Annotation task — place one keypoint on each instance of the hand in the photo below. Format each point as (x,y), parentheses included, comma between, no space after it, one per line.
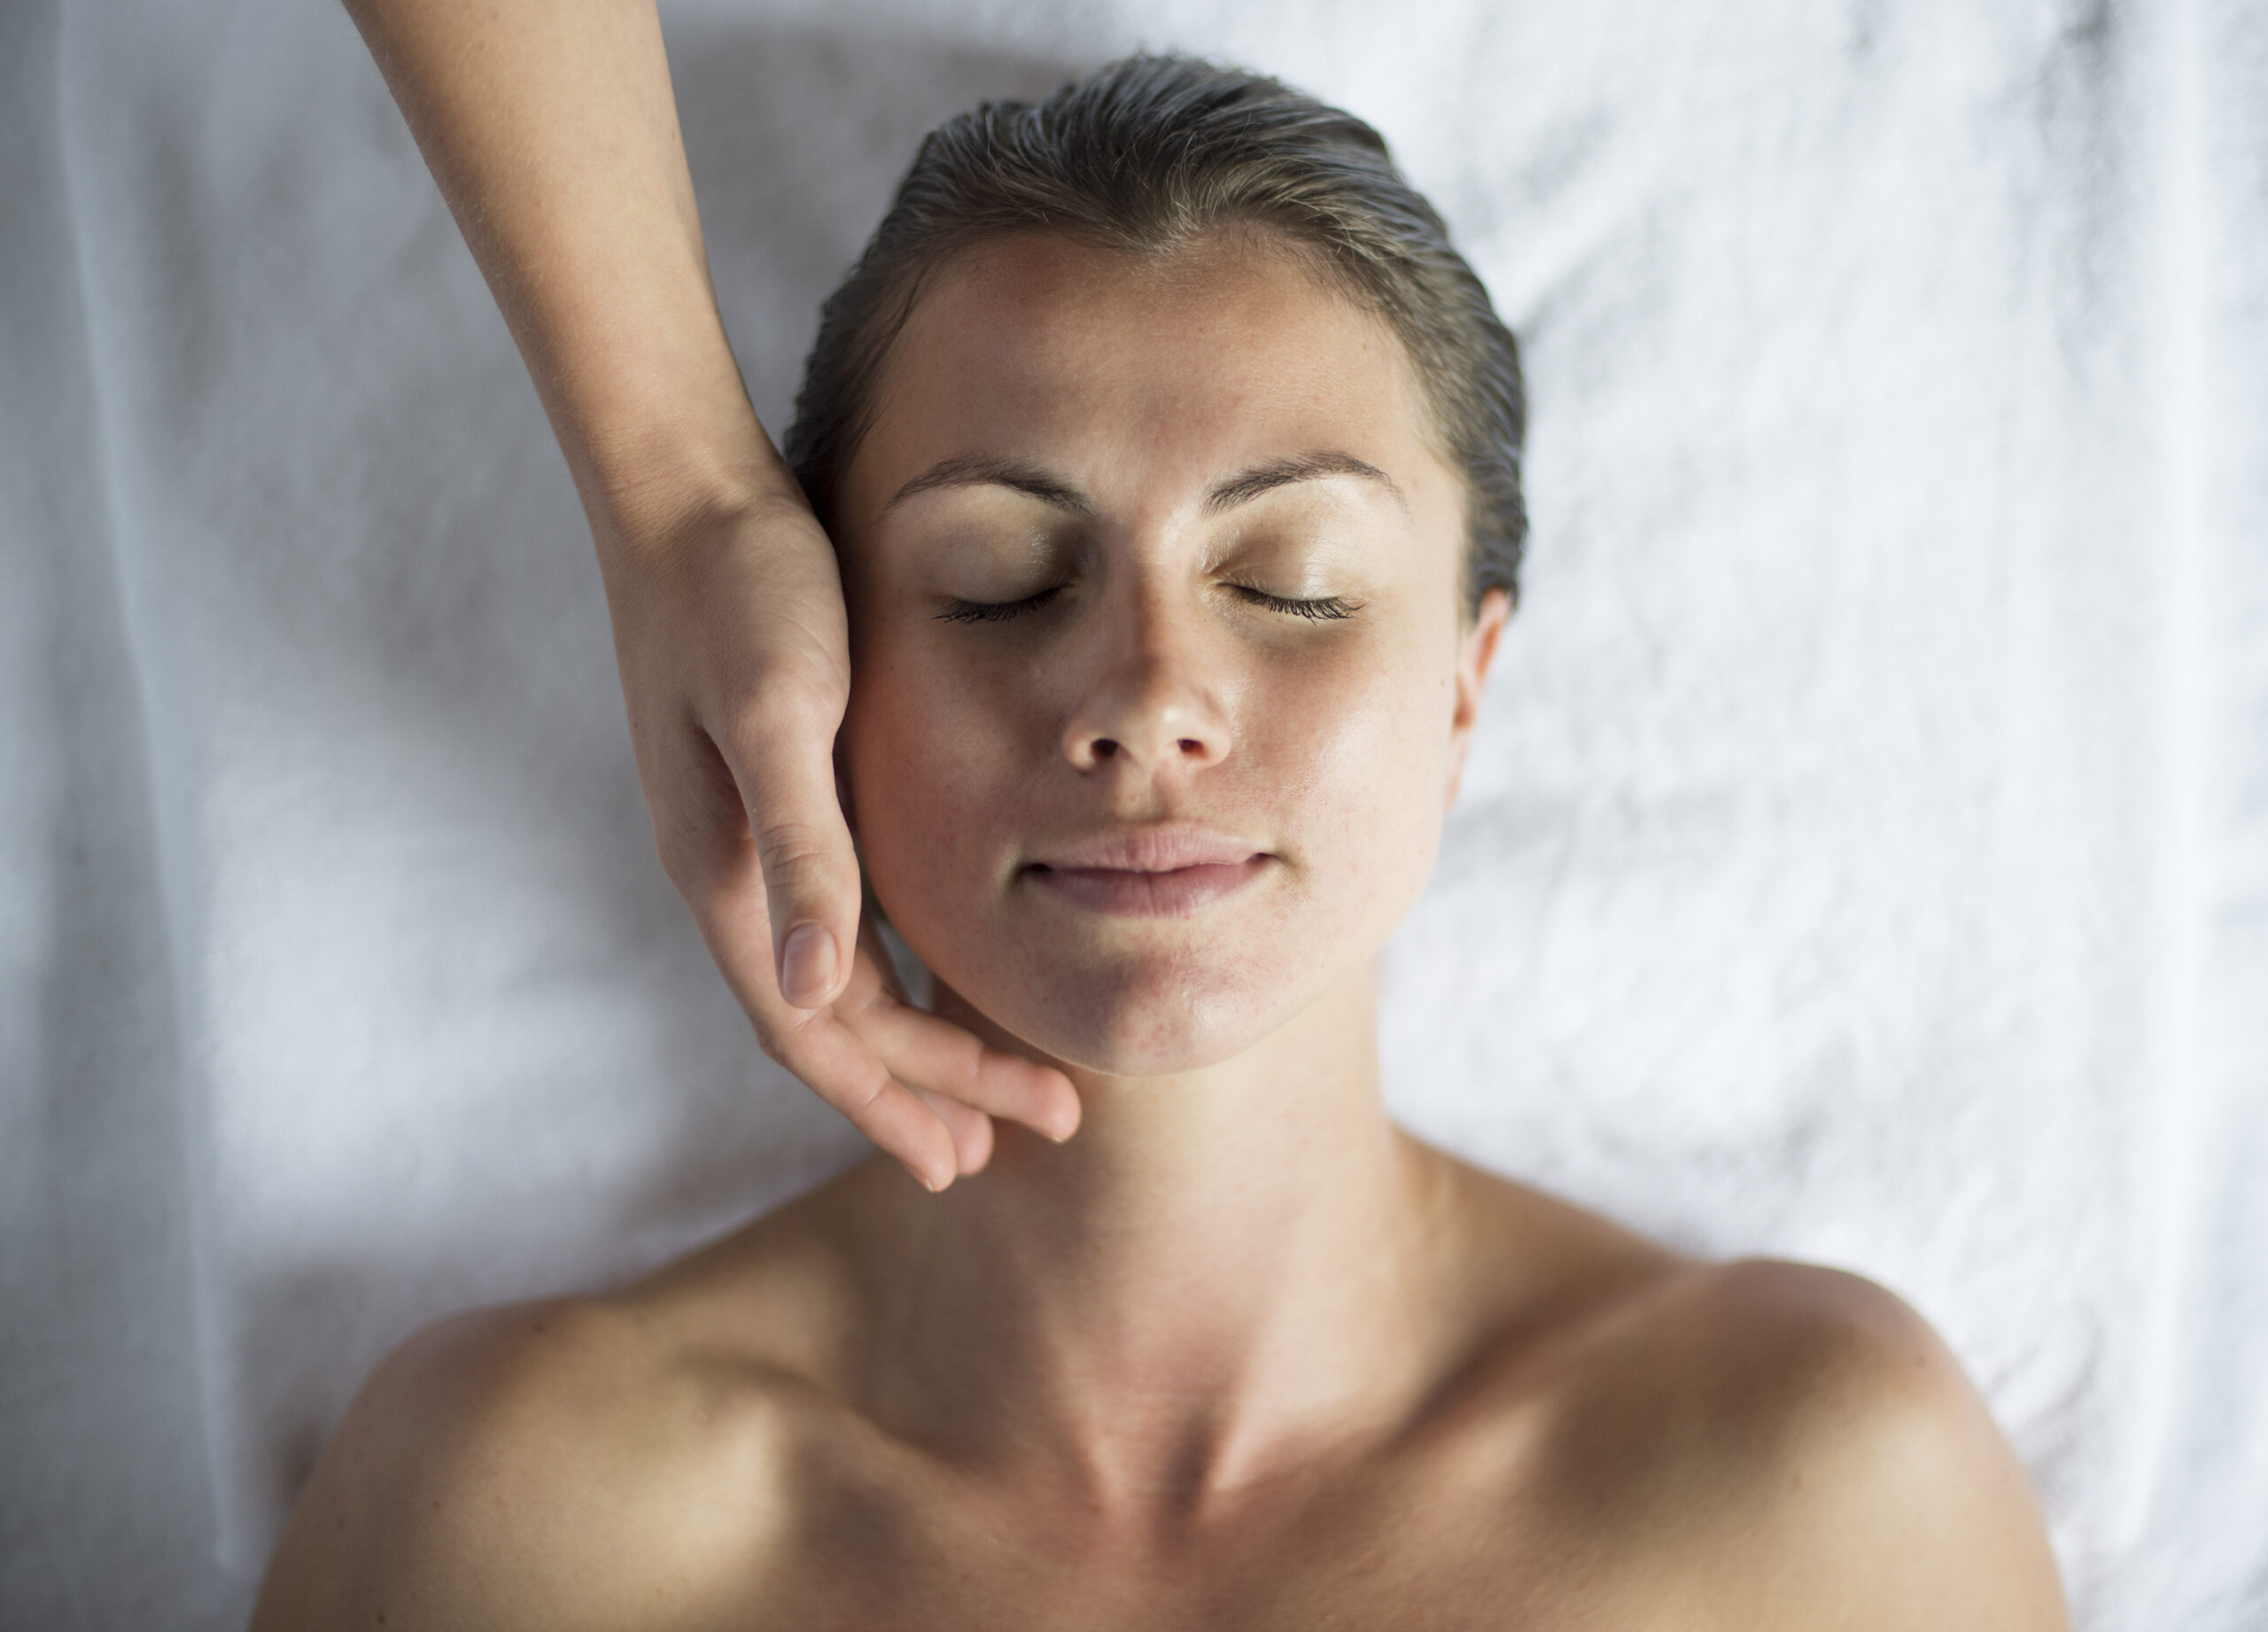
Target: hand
(735,668)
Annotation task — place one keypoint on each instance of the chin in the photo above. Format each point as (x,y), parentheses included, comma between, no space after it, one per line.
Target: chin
(1139,1044)
(1139,1017)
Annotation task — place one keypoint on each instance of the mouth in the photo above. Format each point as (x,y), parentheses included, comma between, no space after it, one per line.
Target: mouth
(1147,872)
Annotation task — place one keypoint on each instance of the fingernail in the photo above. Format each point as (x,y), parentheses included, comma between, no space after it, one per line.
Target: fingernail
(807,965)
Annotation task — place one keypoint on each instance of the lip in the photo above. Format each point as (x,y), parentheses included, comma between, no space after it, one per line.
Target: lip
(1147,872)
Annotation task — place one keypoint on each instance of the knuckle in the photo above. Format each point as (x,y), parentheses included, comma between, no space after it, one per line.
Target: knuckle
(783,1042)
(782,706)
(698,821)
(858,1097)
(799,858)
(688,851)
(867,1093)
(962,1062)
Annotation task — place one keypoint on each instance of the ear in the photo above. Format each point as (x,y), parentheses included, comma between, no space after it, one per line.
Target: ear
(1476,651)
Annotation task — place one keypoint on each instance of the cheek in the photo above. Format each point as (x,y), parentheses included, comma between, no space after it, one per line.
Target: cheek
(1374,742)
(1339,760)
(928,762)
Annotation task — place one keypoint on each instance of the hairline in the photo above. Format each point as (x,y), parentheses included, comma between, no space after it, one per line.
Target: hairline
(1264,237)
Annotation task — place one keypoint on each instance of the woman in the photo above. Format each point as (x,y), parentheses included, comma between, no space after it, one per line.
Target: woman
(1171,455)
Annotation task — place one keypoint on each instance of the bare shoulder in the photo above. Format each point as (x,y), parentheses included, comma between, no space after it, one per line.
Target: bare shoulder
(1798,1447)
(518,1466)
(605,1461)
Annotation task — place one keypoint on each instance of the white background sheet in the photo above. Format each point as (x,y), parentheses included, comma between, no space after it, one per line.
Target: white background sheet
(1865,857)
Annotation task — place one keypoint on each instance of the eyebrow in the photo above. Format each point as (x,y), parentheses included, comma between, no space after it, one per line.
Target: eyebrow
(982,470)
(979,471)
(1249,485)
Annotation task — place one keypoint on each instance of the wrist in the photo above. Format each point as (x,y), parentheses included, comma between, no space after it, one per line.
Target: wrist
(656,493)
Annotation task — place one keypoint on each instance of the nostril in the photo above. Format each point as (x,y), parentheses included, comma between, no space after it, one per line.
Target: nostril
(1105,747)
(1191,745)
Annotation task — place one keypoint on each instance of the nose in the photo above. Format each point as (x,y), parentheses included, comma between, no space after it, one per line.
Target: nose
(1150,705)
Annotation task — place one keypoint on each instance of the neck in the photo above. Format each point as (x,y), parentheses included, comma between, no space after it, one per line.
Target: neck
(1221,1265)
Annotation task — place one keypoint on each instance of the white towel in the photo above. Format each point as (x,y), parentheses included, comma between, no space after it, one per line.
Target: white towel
(1865,856)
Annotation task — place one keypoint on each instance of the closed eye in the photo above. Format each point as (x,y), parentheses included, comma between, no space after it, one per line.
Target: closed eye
(997,612)
(1322,608)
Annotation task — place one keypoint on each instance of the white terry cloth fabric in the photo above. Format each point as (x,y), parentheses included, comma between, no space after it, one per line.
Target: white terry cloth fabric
(1865,857)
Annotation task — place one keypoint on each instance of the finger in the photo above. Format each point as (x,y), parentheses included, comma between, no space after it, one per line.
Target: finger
(972,1130)
(924,1050)
(780,751)
(833,1061)
(919,1048)
(843,1070)
(836,1064)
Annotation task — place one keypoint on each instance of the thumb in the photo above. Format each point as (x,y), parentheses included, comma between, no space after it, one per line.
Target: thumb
(786,776)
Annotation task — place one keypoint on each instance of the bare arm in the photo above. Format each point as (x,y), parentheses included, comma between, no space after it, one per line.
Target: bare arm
(552,130)
(550,125)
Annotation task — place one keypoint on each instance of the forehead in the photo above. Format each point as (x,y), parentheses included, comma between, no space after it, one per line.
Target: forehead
(1148,372)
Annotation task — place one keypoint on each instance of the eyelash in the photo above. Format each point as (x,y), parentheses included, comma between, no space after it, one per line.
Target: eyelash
(1324,609)
(997,612)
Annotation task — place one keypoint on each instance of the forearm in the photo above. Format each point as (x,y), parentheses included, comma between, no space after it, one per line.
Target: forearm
(551,129)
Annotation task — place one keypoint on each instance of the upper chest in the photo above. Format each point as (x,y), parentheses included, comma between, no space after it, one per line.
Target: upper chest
(1457,1536)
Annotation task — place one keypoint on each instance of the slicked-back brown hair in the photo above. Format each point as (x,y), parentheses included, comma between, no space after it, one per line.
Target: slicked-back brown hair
(1145,155)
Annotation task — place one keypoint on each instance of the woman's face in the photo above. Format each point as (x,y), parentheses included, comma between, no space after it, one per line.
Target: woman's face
(1160,683)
